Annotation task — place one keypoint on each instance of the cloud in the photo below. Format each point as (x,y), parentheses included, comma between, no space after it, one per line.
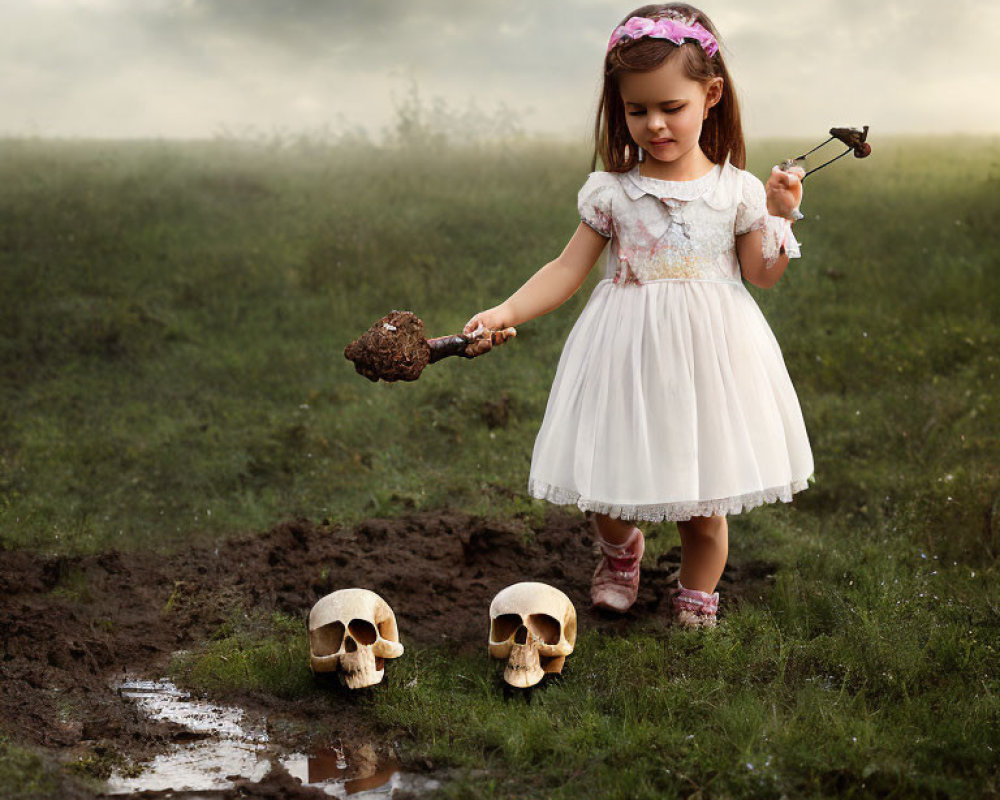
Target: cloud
(189,67)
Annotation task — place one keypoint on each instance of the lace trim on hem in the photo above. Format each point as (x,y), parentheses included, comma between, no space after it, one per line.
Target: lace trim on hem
(667,512)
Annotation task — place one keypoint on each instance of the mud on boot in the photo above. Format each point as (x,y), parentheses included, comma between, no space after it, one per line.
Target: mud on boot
(694,609)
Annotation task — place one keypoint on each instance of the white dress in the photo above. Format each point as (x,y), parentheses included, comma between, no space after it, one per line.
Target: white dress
(671,398)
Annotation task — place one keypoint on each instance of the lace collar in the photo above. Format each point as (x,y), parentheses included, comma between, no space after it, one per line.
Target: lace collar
(636,185)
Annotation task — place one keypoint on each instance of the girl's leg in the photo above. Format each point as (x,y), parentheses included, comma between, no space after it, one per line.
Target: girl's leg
(613,531)
(615,585)
(704,550)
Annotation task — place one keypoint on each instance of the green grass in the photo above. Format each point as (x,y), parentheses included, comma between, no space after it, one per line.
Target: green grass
(172,322)
(251,653)
(27,775)
(174,317)
(836,685)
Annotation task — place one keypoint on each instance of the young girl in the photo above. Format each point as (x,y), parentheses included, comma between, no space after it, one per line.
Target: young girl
(671,400)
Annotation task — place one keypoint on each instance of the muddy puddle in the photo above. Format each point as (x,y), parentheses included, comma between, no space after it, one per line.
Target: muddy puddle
(222,747)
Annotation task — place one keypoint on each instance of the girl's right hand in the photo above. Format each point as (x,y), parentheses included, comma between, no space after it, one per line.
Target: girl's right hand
(489,320)
(487,341)
(489,329)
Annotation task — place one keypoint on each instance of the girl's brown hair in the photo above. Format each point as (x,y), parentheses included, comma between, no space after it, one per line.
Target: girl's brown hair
(721,133)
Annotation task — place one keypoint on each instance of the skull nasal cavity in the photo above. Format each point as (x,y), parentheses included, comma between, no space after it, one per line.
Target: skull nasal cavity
(521,637)
(363,631)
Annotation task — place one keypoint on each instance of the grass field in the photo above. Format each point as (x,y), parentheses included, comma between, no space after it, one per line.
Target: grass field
(172,320)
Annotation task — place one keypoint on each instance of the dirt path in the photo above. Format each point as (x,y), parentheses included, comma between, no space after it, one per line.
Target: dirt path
(69,625)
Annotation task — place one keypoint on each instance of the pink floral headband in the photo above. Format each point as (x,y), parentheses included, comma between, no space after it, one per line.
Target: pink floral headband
(675,30)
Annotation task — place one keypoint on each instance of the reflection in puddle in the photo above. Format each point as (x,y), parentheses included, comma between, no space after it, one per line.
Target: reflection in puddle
(234,749)
(328,770)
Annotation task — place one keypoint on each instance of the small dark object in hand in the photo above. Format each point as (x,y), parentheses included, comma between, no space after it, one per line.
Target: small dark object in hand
(394,348)
(854,138)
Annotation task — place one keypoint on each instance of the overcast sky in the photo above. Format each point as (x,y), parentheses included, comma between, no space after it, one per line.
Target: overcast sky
(196,68)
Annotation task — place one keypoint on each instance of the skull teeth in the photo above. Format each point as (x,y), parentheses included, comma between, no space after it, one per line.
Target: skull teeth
(524,668)
(361,679)
(360,668)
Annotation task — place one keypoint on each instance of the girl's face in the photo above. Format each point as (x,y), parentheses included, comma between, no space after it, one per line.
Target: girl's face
(665,110)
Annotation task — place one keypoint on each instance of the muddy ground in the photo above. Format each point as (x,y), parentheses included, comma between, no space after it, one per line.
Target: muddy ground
(62,649)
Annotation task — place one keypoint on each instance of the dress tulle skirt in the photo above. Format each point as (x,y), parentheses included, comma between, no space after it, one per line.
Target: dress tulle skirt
(671,400)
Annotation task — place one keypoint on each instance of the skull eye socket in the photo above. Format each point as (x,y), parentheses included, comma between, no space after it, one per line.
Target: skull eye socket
(326,640)
(362,631)
(504,627)
(546,628)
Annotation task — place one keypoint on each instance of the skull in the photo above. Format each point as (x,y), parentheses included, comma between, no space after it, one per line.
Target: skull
(352,632)
(533,626)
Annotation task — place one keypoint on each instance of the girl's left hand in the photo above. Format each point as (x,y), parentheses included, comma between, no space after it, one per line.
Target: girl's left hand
(784,192)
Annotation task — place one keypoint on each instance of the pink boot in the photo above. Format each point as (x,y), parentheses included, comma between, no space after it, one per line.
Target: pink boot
(694,609)
(616,580)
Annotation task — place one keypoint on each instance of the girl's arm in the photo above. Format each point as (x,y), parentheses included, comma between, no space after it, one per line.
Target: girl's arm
(784,193)
(548,288)
(750,249)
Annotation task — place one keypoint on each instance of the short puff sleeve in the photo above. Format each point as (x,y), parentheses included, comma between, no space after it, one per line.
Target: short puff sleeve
(751,211)
(594,202)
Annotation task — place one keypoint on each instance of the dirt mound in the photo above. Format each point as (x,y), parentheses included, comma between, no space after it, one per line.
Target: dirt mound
(68,625)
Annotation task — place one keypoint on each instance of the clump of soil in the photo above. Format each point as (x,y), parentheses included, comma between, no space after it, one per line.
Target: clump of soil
(70,625)
(393,349)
